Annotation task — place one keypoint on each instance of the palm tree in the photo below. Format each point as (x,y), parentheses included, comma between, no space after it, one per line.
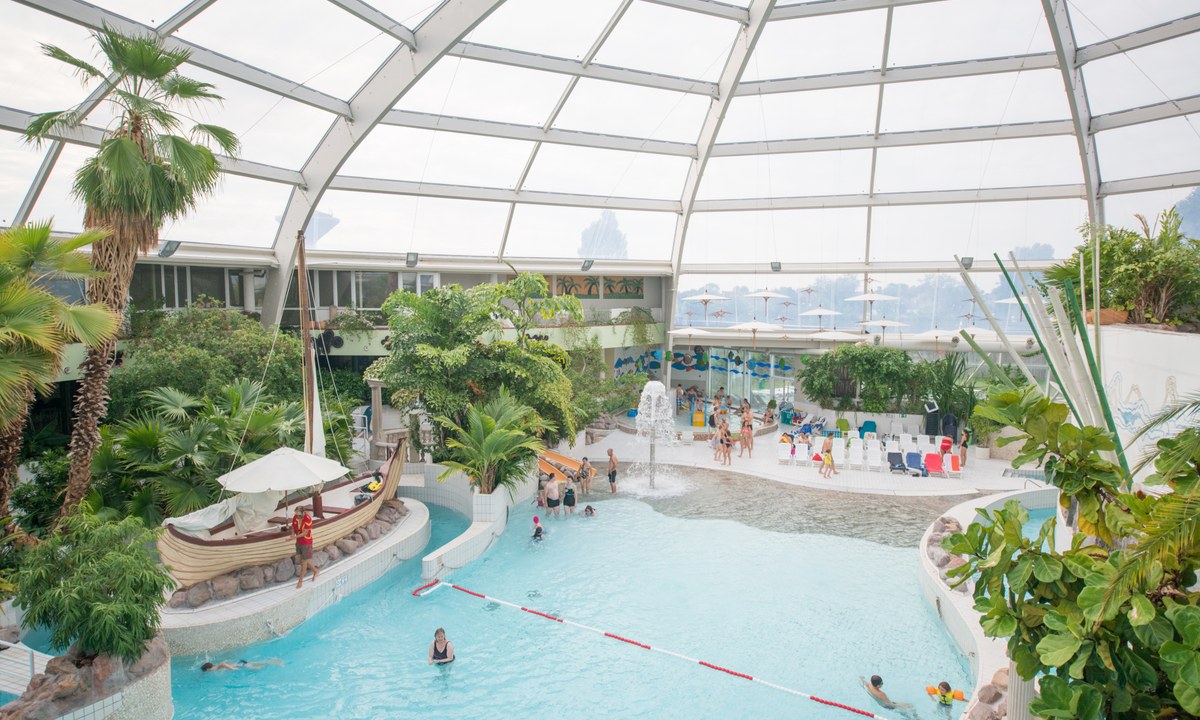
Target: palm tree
(145,173)
(36,326)
(497,446)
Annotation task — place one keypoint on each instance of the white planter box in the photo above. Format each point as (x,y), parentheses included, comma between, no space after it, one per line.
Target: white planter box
(983,453)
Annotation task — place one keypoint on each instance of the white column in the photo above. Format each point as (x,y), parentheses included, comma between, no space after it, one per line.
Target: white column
(1021,692)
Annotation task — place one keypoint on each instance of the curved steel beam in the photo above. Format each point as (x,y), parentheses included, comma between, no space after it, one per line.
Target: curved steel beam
(399,73)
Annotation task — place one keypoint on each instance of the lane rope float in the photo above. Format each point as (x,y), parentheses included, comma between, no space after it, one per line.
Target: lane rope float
(428,588)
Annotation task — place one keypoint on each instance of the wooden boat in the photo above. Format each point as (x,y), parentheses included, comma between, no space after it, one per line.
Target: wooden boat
(336,513)
(192,560)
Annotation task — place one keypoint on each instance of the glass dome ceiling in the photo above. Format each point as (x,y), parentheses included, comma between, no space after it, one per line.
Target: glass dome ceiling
(702,136)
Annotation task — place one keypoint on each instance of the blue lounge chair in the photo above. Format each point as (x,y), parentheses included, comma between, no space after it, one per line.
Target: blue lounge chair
(915,466)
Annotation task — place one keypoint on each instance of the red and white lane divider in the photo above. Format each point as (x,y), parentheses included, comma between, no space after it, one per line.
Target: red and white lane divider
(427,588)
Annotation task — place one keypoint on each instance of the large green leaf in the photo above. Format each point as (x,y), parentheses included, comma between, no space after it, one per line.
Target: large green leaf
(1141,612)
(1047,569)
(1188,696)
(1187,621)
(1055,650)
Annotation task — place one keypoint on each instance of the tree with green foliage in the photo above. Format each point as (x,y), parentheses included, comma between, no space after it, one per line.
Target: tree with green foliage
(1112,625)
(199,350)
(497,446)
(594,388)
(95,584)
(526,299)
(154,164)
(1154,273)
(883,375)
(36,327)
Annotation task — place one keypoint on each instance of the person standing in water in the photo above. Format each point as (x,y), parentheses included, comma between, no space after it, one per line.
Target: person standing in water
(612,470)
(585,476)
(441,650)
(875,689)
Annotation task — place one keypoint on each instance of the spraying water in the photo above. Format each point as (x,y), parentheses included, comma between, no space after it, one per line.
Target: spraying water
(655,419)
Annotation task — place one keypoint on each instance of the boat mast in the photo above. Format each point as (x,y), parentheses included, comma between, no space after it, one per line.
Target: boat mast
(310,392)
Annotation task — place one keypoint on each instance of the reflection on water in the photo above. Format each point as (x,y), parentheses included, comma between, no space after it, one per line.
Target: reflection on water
(771,505)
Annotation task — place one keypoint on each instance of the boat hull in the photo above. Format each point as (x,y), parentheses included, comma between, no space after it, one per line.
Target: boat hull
(192,560)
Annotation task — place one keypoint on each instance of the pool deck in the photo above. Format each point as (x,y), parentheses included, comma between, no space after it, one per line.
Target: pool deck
(980,476)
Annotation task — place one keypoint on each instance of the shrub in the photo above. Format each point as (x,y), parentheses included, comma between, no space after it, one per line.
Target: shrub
(37,501)
(96,584)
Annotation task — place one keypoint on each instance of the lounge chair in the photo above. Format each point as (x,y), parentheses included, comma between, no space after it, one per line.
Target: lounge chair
(952,463)
(896,463)
(855,458)
(868,426)
(913,461)
(784,453)
(933,465)
(874,459)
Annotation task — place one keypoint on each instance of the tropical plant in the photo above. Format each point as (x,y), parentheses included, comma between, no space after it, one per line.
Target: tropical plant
(95,584)
(36,326)
(36,501)
(526,299)
(594,389)
(497,446)
(637,322)
(144,174)
(354,324)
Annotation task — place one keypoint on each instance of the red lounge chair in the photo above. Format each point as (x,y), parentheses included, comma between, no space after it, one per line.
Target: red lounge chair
(933,464)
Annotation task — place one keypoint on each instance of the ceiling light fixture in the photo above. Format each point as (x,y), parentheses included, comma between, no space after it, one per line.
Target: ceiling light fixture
(587,265)
(168,248)
(776,266)
(411,259)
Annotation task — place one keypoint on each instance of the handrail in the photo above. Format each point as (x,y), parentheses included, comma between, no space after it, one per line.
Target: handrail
(32,654)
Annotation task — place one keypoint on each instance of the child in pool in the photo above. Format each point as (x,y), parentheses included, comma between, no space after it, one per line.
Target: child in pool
(589,511)
(538,531)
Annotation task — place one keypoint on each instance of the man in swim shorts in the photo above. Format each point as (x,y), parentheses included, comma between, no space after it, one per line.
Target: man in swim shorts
(875,689)
(552,500)
(612,470)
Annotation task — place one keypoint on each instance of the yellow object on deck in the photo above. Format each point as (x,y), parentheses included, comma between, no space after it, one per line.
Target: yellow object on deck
(697,418)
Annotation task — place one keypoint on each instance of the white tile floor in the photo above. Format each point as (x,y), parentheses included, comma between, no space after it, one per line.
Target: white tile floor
(980,476)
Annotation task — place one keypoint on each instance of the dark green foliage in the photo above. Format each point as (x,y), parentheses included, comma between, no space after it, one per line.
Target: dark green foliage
(347,385)
(886,378)
(96,584)
(37,501)
(497,446)
(198,351)
(593,387)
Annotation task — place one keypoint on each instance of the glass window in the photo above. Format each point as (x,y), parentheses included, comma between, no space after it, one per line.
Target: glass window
(997,163)
(547,231)
(809,236)
(1144,76)
(147,12)
(374,288)
(1121,210)
(174,286)
(409,13)
(475,89)
(408,282)
(56,200)
(145,288)
(818,46)
(399,153)
(610,173)
(967,29)
(324,285)
(209,282)
(428,281)
(601,106)
(696,46)
(19,163)
(1156,148)
(32,81)
(319,45)
(404,223)
(345,288)
(1096,20)
(969,101)
(521,25)
(236,299)
(293,291)
(812,113)
(260,288)
(815,173)
(241,212)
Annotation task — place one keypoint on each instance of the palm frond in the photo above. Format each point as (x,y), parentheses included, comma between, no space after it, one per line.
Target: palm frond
(178,87)
(83,69)
(88,324)
(43,126)
(223,137)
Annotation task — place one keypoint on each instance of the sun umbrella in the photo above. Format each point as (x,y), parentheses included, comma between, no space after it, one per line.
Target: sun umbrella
(755,326)
(706,298)
(870,299)
(820,313)
(766,296)
(282,470)
(885,324)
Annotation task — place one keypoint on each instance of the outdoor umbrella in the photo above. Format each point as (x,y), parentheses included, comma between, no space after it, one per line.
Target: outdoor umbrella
(820,313)
(766,296)
(754,326)
(282,470)
(885,324)
(706,298)
(870,299)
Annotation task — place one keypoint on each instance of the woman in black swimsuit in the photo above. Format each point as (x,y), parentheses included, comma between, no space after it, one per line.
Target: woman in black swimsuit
(441,650)
(569,499)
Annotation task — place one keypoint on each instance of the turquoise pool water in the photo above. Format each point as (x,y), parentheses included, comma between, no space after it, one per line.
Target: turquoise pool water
(808,611)
(1034,524)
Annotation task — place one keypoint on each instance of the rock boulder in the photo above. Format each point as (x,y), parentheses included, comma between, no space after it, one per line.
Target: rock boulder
(348,546)
(224,586)
(250,578)
(284,570)
(1000,679)
(989,694)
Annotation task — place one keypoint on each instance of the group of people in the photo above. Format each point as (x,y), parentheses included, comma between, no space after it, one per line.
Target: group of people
(551,497)
(942,695)
(723,436)
(685,398)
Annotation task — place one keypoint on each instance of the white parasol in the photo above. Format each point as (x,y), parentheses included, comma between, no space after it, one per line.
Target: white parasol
(766,296)
(282,470)
(870,298)
(706,298)
(756,326)
(820,313)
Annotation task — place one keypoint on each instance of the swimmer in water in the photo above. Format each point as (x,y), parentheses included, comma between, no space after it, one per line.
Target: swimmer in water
(589,511)
(875,689)
(538,531)
(240,665)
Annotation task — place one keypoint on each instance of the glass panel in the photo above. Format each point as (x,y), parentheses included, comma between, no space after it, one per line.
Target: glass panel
(325,287)
(813,113)
(208,281)
(30,80)
(374,288)
(599,106)
(242,212)
(469,88)
(410,13)
(399,153)
(18,164)
(147,12)
(818,46)
(547,231)
(293,291)
(522,24)
(325,48)
(997,163)
(1121,210)
(408,281)
(345,283)
(1156,148)
(1035,229)
(970,101)
(1097,20)
(145,289)
(403,223)
(260,289)
(174,286)
(56,200)
(967,29)
(696,46)
(816,173)
(236,300)
(427,282)
(610,173)
(809,236)
(1143,76)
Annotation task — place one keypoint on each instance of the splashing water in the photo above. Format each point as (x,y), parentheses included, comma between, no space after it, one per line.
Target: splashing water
(655,420)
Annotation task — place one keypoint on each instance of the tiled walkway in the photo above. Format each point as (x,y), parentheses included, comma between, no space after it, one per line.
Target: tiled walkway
(981,476)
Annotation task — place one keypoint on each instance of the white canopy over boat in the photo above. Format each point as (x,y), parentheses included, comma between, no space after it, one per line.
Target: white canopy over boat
(284,470)
(250,512)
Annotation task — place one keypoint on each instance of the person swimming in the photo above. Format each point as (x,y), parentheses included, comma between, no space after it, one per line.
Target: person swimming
(240,665)
(875,689)
(589,511)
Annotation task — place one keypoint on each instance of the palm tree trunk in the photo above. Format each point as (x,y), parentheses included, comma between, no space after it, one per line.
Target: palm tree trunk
(10,450)
(116,256)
